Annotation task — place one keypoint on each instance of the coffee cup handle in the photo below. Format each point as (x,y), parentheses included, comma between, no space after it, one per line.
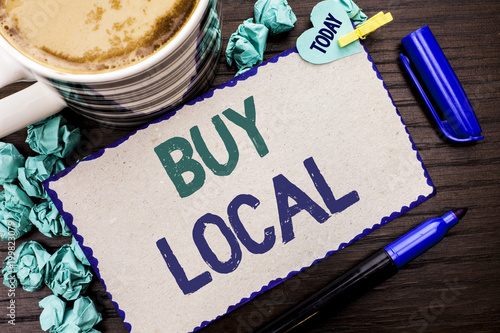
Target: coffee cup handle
(27,106)
(10,71)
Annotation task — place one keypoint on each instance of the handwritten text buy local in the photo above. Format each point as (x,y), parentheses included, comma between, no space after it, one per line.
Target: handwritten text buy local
(236,232)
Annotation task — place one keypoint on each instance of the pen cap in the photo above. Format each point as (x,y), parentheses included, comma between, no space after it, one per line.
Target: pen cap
(440,81)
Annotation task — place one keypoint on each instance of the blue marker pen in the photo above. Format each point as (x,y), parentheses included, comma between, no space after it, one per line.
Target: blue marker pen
(370,272)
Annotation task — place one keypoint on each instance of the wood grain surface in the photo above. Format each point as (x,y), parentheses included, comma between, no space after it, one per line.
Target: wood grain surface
(455,286)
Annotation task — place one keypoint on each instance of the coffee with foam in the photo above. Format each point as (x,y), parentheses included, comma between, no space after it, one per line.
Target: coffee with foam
(92,36)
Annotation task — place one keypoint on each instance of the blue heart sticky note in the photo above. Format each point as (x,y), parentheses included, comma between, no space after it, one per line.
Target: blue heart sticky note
(319,45)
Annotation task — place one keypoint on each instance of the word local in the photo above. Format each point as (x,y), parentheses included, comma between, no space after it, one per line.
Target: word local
(283,189)
(326,35)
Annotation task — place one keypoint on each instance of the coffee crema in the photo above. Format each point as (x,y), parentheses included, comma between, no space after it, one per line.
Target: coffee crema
(92,36)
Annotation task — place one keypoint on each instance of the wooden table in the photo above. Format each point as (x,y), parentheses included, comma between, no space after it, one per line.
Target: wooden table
(455,285)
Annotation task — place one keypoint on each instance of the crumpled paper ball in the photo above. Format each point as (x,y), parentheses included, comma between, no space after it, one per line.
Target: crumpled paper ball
(247,45)
(66,275)
(47,219)
(276,15)
(77,250)
(52,315)
(10,160)
(354,12)
(57,318)
(26,266)
(35,171)
(53,136)
(15,207)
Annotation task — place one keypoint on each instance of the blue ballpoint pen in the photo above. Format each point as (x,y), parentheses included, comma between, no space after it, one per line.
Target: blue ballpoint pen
(373,270)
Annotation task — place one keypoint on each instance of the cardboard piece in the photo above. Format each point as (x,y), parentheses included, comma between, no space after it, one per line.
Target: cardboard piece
(299,161)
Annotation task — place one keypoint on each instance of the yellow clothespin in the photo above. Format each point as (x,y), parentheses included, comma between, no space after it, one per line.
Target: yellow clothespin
(364,29)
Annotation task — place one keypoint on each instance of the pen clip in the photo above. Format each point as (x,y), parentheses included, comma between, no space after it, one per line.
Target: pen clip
(445,127)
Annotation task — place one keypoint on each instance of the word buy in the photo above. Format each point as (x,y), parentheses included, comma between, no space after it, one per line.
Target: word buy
(234,232)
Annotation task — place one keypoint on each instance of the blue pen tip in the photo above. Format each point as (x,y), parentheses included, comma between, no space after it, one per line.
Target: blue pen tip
(423,237)
(459,213)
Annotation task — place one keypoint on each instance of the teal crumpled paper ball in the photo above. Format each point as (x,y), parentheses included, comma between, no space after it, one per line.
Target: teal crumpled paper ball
(354,12)
(47,219)
(10,160)
(53,136)
(247,45)
(77,250)
(276,15)
(26,266)
(15,207)
(66,275)
(57,318)
(35,171)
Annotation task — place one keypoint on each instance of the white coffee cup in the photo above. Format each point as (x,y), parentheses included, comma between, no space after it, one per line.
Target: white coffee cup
(130,96)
